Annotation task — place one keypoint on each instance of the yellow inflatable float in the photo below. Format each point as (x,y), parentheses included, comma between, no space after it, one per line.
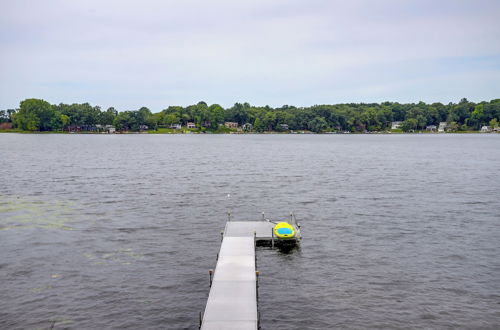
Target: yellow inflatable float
(283,230)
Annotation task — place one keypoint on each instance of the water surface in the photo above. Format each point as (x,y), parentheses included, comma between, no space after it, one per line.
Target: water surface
(118,231)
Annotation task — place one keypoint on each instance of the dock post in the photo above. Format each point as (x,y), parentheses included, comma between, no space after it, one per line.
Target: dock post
(255,247)
(257,274)
(210,273)
(272,238)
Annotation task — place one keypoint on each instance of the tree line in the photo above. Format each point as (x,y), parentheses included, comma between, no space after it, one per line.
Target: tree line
(40,115)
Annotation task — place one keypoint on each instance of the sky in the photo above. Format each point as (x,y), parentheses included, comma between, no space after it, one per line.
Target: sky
(157,53)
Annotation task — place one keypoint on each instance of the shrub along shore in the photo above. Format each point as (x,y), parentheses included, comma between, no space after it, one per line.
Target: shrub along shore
(39,116)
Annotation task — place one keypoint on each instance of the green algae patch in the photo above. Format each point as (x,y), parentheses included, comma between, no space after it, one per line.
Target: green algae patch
(41,289)
(61,320)
(124,256)
(23,213)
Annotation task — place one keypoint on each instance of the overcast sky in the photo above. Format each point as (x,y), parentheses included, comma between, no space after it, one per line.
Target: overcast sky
(157,53)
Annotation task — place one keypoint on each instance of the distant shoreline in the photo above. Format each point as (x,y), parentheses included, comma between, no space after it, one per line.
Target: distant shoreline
(37,115)
(152,132)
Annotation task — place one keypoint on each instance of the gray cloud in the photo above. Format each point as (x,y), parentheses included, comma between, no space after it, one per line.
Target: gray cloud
(158,53)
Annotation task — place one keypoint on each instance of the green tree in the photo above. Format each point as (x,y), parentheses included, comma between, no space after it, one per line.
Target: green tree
(65,120)
(107,117)
(125,121)
(172,118)
(10,114)
(409,124)
(453,126)
(34,115)
(32,123)
(257,125)
(3,116)
(215,115)
(269,120)
(318,125)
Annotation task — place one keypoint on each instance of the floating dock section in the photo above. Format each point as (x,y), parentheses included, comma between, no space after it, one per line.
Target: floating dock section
(232,301)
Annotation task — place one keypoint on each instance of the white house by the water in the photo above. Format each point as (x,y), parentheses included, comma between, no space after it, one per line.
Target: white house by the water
(396,124)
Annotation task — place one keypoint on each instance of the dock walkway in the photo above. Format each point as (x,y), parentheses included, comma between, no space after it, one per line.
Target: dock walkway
(232,301)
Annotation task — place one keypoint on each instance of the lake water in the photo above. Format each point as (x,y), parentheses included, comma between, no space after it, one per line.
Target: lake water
(119,231)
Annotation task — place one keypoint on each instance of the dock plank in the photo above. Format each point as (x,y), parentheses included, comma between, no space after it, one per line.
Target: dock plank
(263,229)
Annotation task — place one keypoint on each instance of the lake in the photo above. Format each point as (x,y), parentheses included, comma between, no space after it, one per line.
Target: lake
(119,231)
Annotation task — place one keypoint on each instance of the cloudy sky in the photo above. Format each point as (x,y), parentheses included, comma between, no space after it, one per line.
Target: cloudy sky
(157,53)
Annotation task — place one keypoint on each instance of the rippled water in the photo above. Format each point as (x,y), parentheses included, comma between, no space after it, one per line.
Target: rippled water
(118,232)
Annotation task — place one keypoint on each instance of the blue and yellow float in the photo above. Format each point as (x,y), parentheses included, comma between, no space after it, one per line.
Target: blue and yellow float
(283,230)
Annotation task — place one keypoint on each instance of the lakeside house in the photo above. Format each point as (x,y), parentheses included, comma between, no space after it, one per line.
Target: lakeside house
(206,124)
(110,129)
(190,125)
(284,127)
(230,124)
(431,128)
(396,124)
(485,129)
(5,125)
(176,126)
(247,127)
(143,127)
(442,127)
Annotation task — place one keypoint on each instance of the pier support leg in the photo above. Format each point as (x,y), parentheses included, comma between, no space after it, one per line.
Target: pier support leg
(272,238)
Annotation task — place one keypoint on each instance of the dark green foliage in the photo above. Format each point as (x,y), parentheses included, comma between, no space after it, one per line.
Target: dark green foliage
(318,124)
(6,116)
(107,117)
(409,125)
(135,120)
(39,115)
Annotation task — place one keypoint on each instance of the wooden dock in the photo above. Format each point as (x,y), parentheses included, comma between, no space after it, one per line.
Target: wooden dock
(232,301)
